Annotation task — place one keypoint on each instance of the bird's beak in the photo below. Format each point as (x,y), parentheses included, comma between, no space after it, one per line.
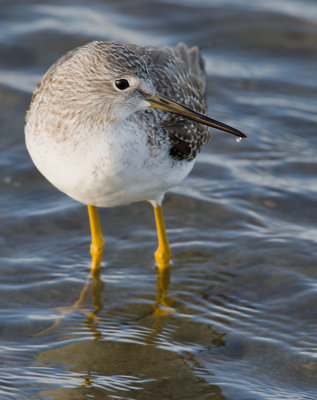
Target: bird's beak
(164,103)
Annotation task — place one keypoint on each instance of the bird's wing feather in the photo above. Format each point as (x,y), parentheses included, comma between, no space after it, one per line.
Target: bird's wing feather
(178,73)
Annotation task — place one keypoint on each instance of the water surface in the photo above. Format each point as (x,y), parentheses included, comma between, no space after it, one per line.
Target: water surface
(236,318)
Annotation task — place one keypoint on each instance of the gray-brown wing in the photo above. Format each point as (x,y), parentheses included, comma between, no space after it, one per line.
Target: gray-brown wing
(178,73)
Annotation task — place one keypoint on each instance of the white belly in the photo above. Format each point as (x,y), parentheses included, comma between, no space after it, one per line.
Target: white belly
(106,169)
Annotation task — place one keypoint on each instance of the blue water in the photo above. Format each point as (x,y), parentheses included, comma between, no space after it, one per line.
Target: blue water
(236,318)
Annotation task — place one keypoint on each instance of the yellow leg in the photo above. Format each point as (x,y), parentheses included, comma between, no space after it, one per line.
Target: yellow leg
(163,252)
(97,242)
(164,304)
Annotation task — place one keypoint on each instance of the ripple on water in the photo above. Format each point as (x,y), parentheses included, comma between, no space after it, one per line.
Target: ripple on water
(238,318)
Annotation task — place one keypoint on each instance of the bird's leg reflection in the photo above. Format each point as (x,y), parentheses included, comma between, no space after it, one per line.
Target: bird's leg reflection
(87,380)
(163,304)
(163,252)
(97,241)
(97,287)
(93,286)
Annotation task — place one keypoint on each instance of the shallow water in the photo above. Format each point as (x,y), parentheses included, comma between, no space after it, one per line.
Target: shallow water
(236,318)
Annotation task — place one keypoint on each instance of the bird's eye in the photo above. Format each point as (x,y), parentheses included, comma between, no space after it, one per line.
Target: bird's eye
(122,84)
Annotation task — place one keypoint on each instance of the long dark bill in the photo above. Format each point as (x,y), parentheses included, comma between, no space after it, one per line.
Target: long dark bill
(164,103)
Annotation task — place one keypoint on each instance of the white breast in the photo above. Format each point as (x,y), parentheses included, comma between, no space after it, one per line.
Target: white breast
(105,167)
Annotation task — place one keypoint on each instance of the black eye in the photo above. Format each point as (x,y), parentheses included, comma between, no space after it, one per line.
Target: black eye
(122,84)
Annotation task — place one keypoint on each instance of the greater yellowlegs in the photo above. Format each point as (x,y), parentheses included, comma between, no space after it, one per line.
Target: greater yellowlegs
(97,127)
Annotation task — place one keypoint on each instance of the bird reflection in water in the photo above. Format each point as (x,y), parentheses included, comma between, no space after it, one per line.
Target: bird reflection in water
(94,287)
(164,304)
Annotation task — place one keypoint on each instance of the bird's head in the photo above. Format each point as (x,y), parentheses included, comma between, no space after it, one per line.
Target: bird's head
(112,80)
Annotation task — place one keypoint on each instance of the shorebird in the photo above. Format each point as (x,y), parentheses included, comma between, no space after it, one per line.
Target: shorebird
(112,124)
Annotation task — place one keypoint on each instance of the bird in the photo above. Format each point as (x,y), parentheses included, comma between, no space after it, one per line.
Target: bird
(111,124)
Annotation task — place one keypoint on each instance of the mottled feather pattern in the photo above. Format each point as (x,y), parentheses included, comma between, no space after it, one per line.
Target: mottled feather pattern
(182,71)
(177,73)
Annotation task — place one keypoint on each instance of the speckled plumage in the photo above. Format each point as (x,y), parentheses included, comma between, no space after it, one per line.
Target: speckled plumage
(178,73)
(75,110)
